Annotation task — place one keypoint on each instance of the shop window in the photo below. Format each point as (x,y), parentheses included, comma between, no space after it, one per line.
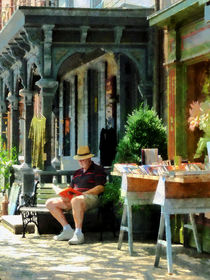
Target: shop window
(197,94)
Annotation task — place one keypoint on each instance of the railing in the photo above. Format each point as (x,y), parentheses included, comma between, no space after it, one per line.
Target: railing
(8,7)
(163,4)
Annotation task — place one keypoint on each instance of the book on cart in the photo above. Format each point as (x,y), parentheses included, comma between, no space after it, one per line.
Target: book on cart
(132,168)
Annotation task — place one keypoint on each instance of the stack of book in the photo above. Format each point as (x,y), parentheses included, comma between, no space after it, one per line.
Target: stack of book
(142,169)
(157,170)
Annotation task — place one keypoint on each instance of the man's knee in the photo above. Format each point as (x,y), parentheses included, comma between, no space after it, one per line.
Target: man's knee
(50,204)
(77,201)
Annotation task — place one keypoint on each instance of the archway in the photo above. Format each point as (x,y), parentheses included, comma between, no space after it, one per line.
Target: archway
(97,92)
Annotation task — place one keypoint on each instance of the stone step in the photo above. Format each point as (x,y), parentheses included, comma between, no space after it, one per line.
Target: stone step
(14,224)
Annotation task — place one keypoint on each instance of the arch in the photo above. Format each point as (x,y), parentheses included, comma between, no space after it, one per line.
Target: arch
(72,60)
(93,70)
(61,57)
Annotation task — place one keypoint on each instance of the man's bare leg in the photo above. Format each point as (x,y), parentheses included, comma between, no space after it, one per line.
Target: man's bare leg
(56,207)
(78,210)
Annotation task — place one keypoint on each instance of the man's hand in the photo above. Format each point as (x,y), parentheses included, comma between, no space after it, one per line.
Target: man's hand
(56,188)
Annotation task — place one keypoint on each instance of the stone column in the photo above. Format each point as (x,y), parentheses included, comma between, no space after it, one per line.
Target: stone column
(48,88)
(61,119)
(28,108)
(101,98)
(14,128)
(73,124)
(84,103)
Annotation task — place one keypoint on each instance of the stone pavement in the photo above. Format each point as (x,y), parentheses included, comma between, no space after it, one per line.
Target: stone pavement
(41,258)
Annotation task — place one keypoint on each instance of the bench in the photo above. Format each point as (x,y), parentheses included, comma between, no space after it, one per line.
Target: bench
(33,210)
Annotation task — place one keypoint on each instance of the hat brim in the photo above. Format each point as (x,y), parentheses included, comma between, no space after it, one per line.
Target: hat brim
(77,157)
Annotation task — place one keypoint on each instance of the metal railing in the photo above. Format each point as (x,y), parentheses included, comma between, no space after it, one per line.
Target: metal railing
(6,9)
(164,4)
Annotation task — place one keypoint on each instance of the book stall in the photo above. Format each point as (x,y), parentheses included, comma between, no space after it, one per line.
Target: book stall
(182,188)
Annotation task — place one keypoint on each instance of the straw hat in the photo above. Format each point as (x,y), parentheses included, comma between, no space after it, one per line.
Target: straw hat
(83,152)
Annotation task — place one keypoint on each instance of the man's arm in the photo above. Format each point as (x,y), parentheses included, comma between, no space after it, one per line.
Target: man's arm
(96,190)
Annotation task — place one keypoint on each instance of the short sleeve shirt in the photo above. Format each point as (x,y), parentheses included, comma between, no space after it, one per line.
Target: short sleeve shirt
(84,181)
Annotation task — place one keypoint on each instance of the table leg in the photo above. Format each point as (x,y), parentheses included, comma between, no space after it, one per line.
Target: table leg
(130,231)
(168,244)
(195,233)
(159,239)
(122,226)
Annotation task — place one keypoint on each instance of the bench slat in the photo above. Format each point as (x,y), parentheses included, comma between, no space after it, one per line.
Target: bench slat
(49,186)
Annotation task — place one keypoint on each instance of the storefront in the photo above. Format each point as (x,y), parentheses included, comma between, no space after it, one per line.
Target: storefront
(186,43)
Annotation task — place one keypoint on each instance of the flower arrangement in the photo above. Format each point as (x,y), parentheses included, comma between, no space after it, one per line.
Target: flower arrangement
(200,117)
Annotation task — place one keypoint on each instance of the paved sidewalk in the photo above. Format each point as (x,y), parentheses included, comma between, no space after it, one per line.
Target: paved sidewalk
(40,258)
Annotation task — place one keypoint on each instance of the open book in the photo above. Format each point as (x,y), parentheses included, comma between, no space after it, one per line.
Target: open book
(68,192)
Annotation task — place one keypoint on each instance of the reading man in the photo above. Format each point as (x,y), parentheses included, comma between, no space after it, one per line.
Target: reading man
(89,180)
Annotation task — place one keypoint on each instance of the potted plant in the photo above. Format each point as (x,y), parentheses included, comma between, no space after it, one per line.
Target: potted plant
(144,129)
(7,159)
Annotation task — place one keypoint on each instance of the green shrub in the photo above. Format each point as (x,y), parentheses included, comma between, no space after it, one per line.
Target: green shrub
(112,190)
(7,159)
(144,129)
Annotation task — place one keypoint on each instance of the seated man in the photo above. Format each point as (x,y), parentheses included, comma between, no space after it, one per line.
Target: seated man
(89,180)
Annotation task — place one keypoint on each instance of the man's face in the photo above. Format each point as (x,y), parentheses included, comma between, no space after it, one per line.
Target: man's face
(85,163)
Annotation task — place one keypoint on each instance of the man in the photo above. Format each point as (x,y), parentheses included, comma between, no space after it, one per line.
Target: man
(89,180)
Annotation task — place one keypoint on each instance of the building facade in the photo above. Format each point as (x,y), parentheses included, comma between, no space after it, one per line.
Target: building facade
(69,74)
(184,28)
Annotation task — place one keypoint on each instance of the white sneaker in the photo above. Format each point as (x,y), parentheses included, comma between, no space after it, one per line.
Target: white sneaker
(64,235)
(78,238)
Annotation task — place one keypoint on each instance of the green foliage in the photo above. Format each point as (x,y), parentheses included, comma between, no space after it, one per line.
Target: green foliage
(144,129)
(112,191)
(7,159)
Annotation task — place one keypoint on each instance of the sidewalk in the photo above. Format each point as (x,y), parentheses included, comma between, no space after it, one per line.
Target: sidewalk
(40,258)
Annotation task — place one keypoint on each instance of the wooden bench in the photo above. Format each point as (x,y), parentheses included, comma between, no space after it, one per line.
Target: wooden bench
(34,205)
(33,209)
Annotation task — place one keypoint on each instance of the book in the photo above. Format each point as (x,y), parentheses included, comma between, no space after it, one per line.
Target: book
(125,167)
(69,192)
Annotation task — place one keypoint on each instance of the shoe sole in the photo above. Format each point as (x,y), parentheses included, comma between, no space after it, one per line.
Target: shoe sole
(76,242)
(64,239)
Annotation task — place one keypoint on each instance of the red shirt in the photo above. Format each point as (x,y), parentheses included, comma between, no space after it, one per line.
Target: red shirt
(84,181)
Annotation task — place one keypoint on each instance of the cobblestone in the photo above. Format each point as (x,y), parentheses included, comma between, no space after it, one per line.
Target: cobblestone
(40,258)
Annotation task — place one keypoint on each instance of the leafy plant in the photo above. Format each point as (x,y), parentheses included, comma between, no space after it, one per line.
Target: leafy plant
(144,129)
(7,159)
(112,191)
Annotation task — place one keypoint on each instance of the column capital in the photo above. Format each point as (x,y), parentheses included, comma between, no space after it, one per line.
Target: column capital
(27,94)
(13,100)
(47,86)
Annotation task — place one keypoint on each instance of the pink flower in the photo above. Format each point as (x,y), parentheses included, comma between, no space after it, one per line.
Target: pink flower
(195,112)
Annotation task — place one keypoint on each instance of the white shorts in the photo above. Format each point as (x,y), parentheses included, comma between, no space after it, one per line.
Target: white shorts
(91,201)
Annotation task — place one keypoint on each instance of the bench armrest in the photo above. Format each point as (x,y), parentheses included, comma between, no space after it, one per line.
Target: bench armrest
(29,200)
